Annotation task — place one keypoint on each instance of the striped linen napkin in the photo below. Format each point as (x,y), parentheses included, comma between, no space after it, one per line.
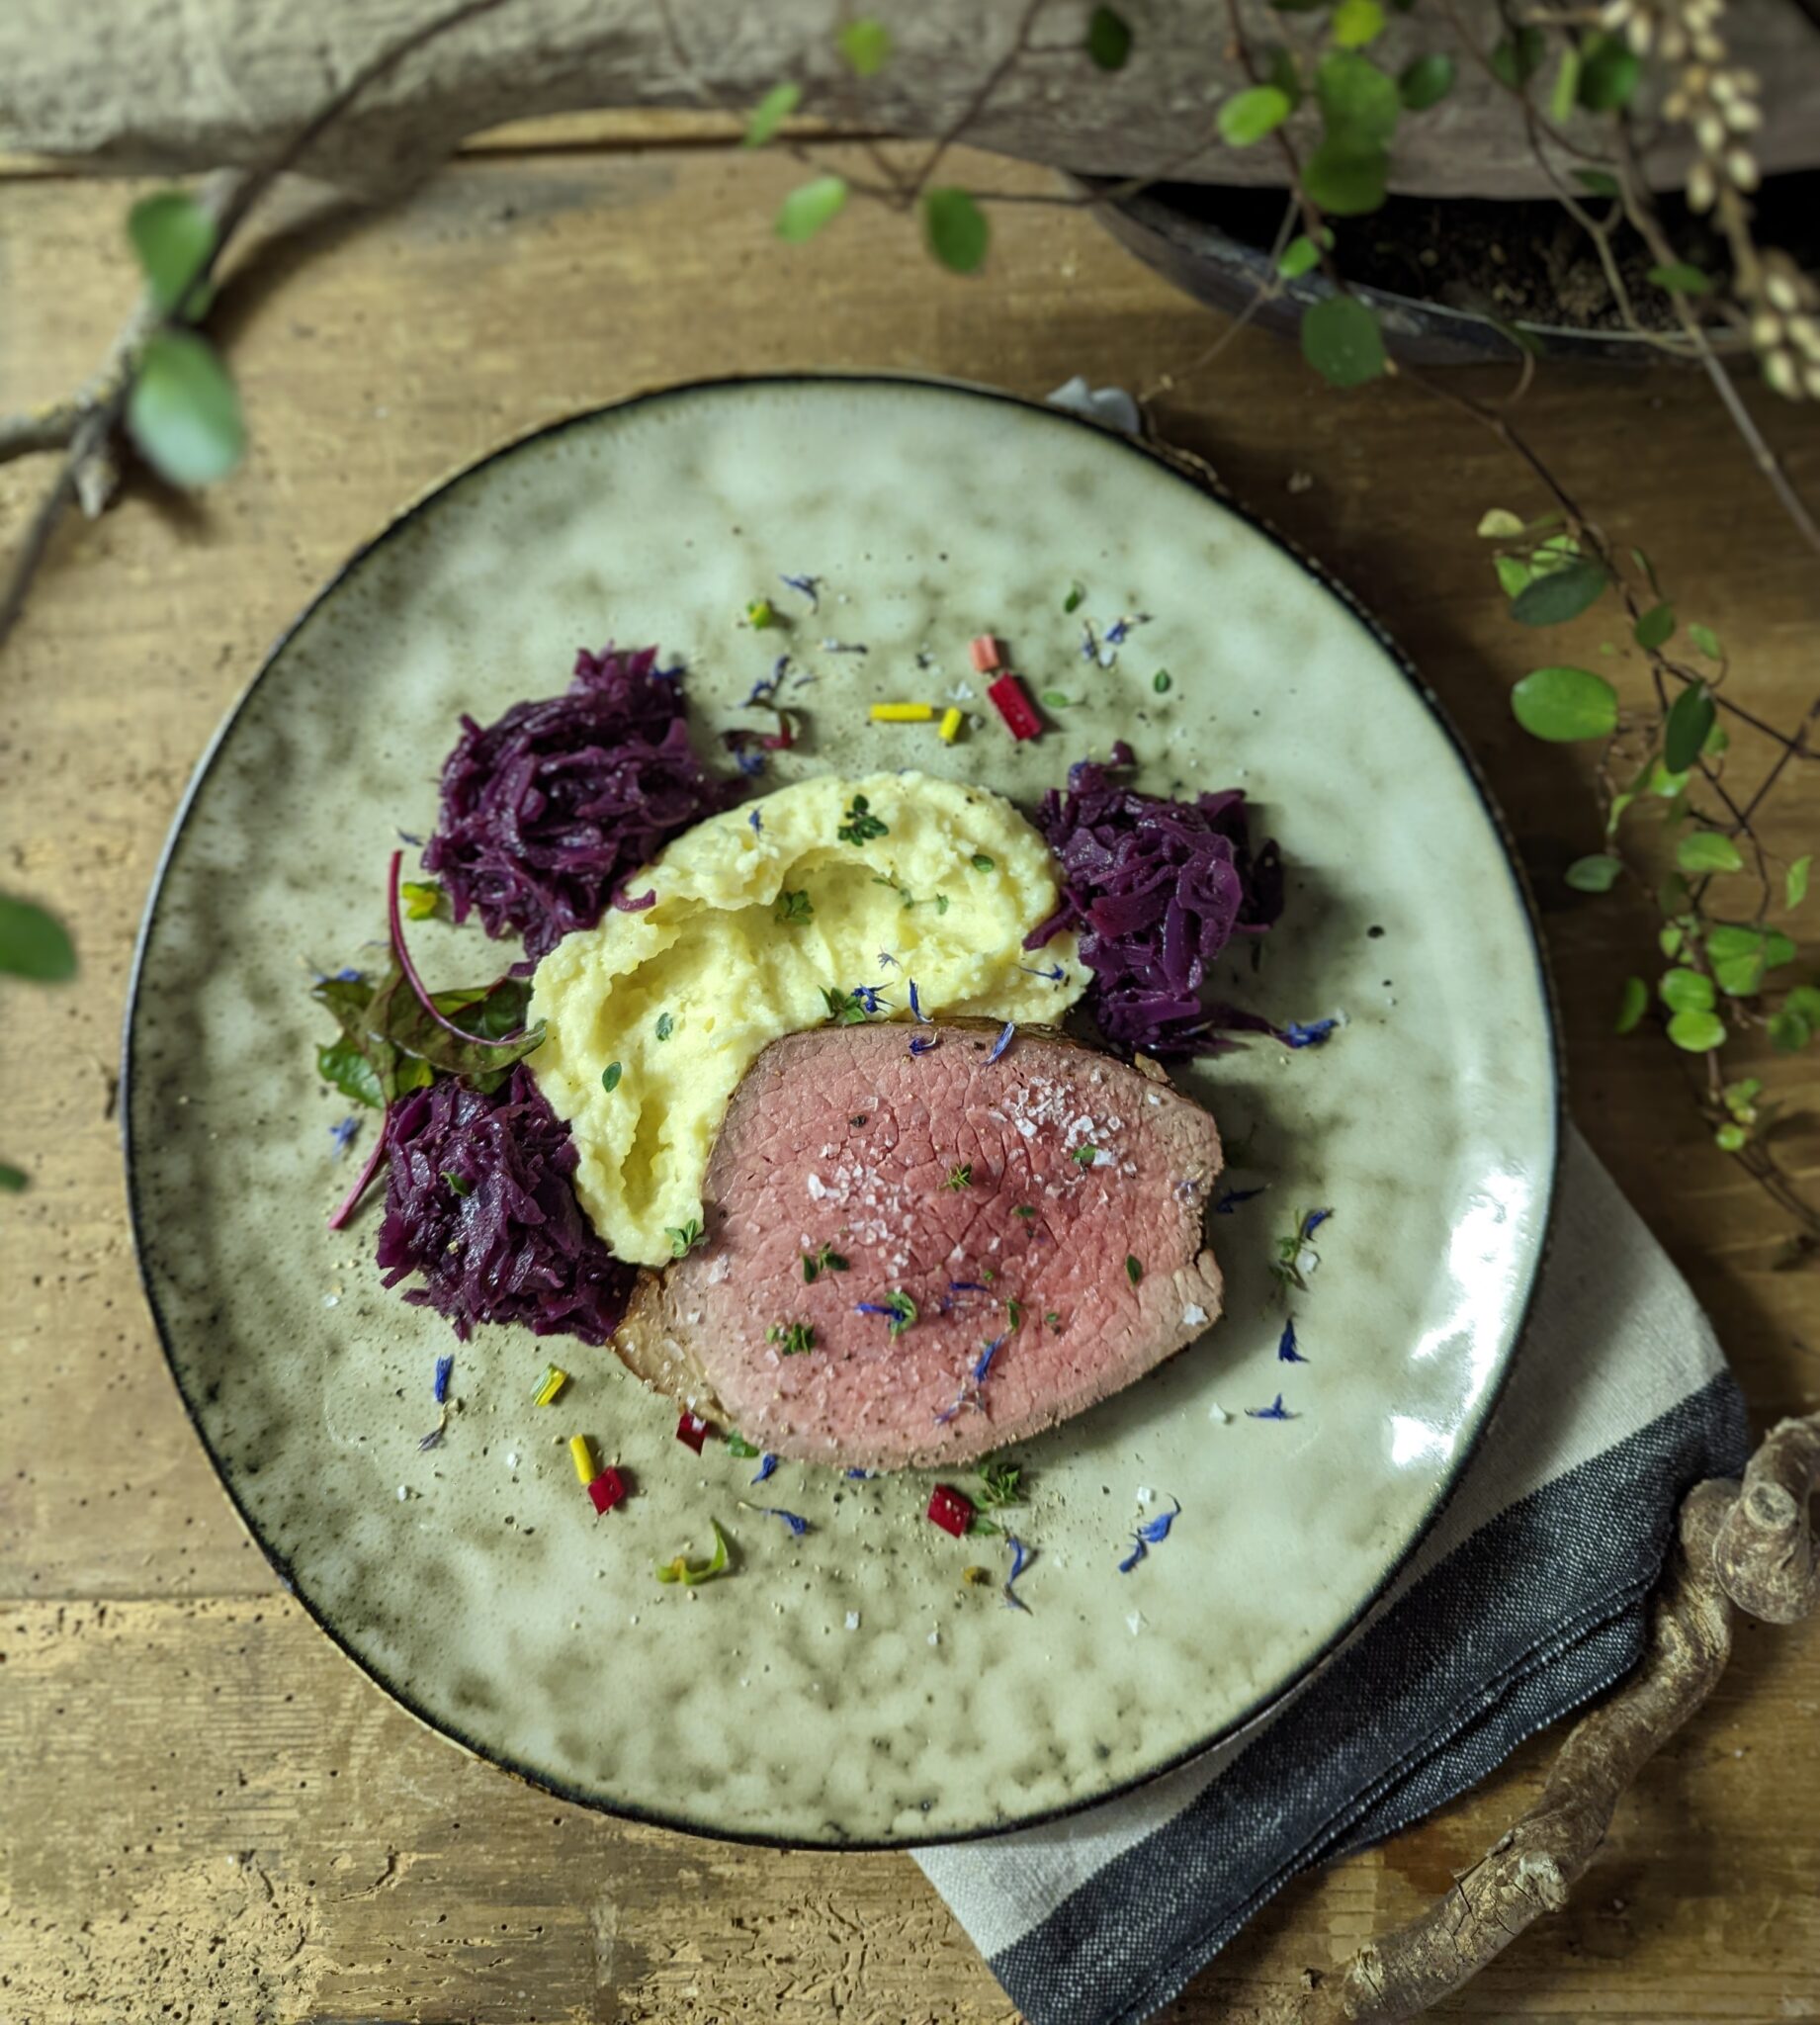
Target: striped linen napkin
(1527,1599)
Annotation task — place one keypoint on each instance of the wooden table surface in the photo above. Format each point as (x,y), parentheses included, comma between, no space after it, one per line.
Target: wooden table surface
(206,1811)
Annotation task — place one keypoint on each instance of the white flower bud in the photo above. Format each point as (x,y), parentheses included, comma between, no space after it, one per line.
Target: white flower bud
(1700,188)
(1741,167)
(1778,370)
(1779,286)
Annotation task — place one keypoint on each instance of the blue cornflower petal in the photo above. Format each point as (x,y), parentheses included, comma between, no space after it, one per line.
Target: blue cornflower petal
(1306,1033)
(860,1475)
(757,821)
(767,1463)
(1137,1553)
(810,586)
(1230,1200)
(349,975)
(751,764)
(1275,1411)
(873,1308)
(887,961)
(844,647)
(1052,974)
(439,1389)
(916,1012)
(1021,1557)
(1153,1532)
(342,1134)
(967,1286)
(984,1362)
(921,1046)
(1286,1351)
(405,836)
(1313,1221)
(797,1525)
(1005,1037)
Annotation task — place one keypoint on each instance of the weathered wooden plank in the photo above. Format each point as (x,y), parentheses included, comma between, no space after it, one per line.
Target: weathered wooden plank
(224,1812)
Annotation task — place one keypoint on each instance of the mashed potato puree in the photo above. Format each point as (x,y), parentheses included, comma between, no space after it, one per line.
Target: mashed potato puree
(685,994)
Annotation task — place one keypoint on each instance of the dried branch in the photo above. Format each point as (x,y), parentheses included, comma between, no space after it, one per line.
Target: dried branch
(38,429)
(1749,1548)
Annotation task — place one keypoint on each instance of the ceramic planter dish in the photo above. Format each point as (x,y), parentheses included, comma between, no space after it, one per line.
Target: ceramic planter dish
(848,1688)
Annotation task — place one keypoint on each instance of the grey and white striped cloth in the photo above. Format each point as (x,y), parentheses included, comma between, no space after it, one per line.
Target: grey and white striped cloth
(1527,1599)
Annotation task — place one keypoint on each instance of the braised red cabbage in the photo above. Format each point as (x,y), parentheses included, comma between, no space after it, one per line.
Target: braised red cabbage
(545,812)
(1157,889)
(479,1200)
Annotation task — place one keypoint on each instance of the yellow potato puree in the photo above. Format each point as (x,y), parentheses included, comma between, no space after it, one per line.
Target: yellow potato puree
(684,995)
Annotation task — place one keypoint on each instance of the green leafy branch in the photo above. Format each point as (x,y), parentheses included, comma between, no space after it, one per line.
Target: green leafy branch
(163,383)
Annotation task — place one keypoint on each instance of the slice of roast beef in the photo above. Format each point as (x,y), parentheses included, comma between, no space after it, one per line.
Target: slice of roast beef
(1040,1215)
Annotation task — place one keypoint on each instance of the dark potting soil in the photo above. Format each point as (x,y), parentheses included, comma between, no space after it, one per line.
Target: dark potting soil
(1525,261)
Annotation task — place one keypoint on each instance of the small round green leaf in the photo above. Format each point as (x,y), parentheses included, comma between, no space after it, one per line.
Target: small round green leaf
(1680,278)
(1498,524)
(1355,23)
(1563,704)
(1730,1137)
(1341,340)
(1698,1032)
(1795,887)
(1608,72)
(1708,640)
(1633,1003)
(1596,874)
(1298,257)
(1557,595)
(770,113)
(809,207)
(1689,719)
(865,44)
(1706,850)
(1789,1031)
(1597,183)
(1108,38)
(956,229)
(1248,116)
(184,411)
(173,237)
(1516,59)
(1655,629)
(1346,181)
(34,943)
(1687,991)
(1358,102)
(1426,80)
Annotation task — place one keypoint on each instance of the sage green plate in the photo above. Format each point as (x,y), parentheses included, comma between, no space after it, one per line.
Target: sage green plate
(848,1688)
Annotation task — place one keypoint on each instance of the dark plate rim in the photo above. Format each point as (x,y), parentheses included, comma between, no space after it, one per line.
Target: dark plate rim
(1201,478)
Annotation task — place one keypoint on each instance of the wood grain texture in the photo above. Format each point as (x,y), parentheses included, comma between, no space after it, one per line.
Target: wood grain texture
(164,1710)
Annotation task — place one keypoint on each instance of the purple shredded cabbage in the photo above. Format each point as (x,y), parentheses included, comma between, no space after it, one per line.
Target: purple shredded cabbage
(547,811)
(504,1240)
(1157,889)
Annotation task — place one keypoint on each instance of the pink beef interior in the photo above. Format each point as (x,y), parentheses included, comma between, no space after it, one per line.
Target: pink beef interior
(841,1138)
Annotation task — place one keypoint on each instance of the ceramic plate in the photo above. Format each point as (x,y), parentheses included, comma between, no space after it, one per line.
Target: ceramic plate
(847,1688)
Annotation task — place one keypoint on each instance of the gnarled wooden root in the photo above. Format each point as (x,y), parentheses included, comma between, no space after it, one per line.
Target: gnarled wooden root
(1749,1546)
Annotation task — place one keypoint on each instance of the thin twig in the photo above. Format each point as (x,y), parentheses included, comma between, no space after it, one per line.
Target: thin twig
(977,101)
(38,429)
(56,502)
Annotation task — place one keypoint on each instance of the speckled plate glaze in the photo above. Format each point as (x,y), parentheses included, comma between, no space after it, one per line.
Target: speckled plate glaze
(846,1688)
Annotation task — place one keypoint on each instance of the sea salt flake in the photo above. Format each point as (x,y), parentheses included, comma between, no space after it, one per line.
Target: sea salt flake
(1193,1316)
(853,1620)
(1218,1414)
